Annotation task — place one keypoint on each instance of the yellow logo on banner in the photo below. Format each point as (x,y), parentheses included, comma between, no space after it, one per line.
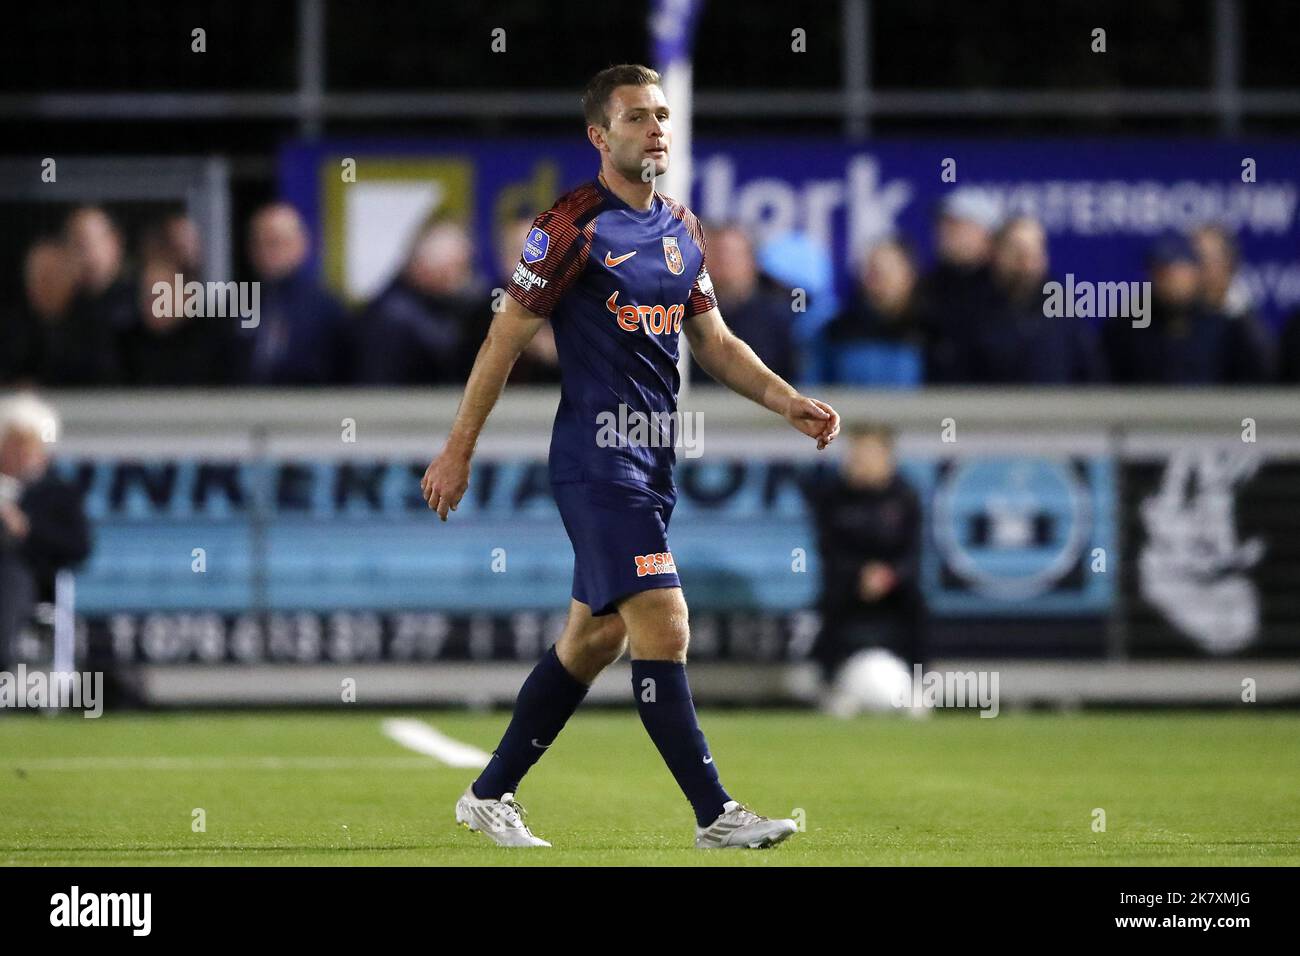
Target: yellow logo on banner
(368,225)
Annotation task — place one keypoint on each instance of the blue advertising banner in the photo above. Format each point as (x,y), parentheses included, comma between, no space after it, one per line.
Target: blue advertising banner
(1014,536)
(1102,202)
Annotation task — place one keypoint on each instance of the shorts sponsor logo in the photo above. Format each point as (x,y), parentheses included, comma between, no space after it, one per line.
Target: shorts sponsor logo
(660,563)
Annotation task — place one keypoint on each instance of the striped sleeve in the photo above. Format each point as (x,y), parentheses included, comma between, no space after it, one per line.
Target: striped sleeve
(701,298)
(554,255)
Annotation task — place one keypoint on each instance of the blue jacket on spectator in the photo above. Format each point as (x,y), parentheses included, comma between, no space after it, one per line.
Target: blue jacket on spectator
(950,301)
(408,337)
(863,346)
(765,323)
(298,340)
(1013,343)
(1191,346)
(1289,350)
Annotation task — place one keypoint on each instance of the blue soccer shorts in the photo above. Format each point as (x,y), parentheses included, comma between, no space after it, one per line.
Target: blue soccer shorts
(619,532)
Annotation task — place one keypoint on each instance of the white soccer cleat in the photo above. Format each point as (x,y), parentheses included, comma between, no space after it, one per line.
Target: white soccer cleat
(739,826)
(501,820)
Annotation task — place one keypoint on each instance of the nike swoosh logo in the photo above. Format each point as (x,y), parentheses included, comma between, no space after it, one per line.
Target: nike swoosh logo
(708,760)
(612,261)
(539,746)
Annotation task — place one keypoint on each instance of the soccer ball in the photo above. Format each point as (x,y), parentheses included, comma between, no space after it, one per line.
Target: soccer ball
(874,681)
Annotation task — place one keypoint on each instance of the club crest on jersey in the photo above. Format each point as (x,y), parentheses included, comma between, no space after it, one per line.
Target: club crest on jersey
(673,256)
(535,246)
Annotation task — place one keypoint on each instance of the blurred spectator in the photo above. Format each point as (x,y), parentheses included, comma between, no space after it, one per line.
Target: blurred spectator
(49,283)
(1216,252)
(176,349)
(427,326)
(801,272)
(97,247)
(80,348)
(958,287)
(868,522)
(1289,350)
(299,337)
(540,360)
(1186,343)
(760,317)
(176,239)
(1012,341)
(43,526)
(877,339)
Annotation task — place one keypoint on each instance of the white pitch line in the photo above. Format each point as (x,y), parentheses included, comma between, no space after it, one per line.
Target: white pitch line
(213,763)
(418,736)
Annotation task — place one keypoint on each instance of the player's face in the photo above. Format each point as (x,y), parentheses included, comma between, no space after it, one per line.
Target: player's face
(640,131)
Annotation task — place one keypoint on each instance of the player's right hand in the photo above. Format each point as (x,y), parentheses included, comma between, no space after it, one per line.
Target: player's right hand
(445,481)
(815,419)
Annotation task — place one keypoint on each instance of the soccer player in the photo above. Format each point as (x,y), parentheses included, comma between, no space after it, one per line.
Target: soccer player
(619,269)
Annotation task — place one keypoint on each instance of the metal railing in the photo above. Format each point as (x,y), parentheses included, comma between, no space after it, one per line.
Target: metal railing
(856,102)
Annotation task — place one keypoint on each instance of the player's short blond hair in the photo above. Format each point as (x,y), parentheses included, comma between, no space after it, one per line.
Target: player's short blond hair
(596,96)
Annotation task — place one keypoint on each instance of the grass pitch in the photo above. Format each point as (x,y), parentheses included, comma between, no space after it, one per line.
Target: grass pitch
(329,788)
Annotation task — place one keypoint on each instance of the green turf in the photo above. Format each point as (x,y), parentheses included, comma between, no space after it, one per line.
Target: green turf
(1187,788)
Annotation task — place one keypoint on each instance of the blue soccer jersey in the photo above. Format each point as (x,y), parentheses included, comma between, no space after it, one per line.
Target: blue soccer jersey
(617,284)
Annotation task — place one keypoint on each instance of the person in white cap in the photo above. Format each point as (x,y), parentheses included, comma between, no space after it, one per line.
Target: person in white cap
(43,526)
(954,293)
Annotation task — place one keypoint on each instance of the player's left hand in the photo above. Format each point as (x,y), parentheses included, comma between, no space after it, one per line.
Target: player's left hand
(445,481)
(815,419)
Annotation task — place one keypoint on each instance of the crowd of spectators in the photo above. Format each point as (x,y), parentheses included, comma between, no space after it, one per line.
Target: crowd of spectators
(975,316)
(978,316)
